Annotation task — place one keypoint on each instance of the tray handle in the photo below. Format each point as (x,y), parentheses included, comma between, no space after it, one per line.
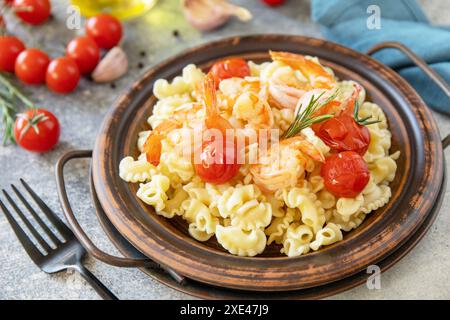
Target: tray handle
(433,75)
(90,247)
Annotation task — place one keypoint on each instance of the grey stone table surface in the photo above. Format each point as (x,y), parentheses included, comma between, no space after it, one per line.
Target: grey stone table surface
(423,273)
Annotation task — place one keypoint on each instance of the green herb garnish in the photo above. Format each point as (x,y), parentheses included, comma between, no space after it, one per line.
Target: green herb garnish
(363,121)
(304,119)
(10,98)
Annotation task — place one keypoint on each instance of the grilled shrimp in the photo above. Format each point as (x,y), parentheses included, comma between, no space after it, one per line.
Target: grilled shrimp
(247,101)
(317,75)
(284,164)
(187,115)
(286,94)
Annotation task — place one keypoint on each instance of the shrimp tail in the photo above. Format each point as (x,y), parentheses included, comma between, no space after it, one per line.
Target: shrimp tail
(350,104)
(213,119)
(210,96)
(152,146)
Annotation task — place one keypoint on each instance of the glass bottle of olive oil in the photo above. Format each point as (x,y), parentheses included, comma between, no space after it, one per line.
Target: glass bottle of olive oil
(122,9)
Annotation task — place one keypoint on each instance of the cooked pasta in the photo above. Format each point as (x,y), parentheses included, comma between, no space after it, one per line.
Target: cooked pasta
(280,194)
(297,240)
(132,170)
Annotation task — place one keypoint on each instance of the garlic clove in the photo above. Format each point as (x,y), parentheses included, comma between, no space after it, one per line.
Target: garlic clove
(113,66)
(239,12)
(210,14)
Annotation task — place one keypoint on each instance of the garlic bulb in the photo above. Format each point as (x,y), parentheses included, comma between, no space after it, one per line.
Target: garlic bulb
(113,66)
(210,14)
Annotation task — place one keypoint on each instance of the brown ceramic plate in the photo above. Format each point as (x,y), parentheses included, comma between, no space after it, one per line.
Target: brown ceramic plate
(414,190)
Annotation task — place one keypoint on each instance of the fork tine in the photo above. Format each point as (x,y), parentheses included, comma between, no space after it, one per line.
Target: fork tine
(44,227)
(30,227)
(28,245)
(52,217)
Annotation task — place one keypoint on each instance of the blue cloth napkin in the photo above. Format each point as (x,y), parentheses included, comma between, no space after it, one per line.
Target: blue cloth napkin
(345,22)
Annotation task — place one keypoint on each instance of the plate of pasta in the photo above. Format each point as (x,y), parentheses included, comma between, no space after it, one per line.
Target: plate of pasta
(267,163)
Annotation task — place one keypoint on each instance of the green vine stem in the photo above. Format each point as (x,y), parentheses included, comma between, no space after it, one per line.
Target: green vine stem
(10,100)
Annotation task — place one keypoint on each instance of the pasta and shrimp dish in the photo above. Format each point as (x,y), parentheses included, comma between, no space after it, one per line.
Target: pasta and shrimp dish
(254,154)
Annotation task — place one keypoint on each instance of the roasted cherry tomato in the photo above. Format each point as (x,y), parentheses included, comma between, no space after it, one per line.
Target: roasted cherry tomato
(343,133)
(10,48)
(32,11)
(85,52)
(36,130)
(105,29)
(218,163)
(345,174)
(31,65)
(230,68)
(274,3)
(62,75)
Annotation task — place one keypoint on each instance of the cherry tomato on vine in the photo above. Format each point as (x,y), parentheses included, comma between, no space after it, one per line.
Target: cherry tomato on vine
(343,133)
(218,163)
(273,3)
(32,11)
(31,65)
(345,174)
(10,48)
(62,75)
(230,68)
(85,52)
(105,29)
(37,130)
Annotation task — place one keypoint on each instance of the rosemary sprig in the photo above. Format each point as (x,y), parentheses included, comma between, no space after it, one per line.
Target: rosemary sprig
(363,121)
(10,99)
(306,118)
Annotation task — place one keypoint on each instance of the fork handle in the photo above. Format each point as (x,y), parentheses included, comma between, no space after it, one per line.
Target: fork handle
(99,287)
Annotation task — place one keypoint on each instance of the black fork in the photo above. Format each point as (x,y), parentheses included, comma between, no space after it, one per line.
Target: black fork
(66,254)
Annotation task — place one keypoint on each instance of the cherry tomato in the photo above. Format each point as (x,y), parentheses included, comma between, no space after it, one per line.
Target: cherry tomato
(10,48)
(8,2)
(85,52)
(62,75)
(217,166)
(345,174)
(230,68)
(2,23)
(274,3)
(32,11)
(31,65)
(105,29)
(343,133)
(37,130)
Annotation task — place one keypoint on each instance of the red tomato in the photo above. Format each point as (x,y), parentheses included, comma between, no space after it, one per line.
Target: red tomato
(31,65)
(85,52)
(274,3)
(345,174)
(217,166)
(8,2)
(62,75)
(342,133)
(37,130)
(2,23)
(10,48)
(32,11)
(105,29)
(230,68)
